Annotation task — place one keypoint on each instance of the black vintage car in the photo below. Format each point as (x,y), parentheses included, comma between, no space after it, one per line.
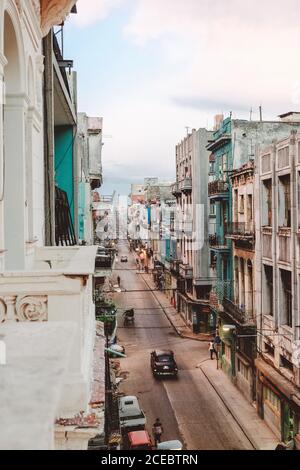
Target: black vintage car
(163,364)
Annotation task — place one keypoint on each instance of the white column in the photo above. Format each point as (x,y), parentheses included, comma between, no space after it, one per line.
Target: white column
(15,188)
(3,62)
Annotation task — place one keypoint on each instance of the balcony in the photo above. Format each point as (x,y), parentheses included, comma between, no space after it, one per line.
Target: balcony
(186,271)
(218,190)
(218,243)
(186,185)
(241,315)
(176,190)
(240,231)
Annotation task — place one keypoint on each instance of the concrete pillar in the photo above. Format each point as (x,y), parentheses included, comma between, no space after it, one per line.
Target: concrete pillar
(3,62)
(15,181)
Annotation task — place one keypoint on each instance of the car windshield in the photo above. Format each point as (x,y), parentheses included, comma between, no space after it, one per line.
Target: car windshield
(127,418)
(165,358)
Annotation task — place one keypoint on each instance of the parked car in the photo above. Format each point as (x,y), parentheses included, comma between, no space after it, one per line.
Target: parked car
(132,417)
(170,445)
(124,259)
(163,364)
(138,440)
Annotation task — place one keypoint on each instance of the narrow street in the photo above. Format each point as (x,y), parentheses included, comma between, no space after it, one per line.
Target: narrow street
(189,407)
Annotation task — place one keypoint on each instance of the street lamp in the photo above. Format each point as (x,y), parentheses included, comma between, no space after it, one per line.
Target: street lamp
(229,328)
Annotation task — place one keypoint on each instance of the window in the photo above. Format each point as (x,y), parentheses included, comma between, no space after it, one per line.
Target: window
(267,203)
(249,209)
(283,157)
(286,364)
(284,201)
(242,204)
(272,399)
(286,284)
(212,167)
(243,370)
(269,350)
(268,291)
(212,208)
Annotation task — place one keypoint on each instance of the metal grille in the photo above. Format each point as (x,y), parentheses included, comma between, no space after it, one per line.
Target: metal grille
(64,229)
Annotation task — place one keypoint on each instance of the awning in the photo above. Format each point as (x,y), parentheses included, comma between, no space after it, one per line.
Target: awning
(289,390)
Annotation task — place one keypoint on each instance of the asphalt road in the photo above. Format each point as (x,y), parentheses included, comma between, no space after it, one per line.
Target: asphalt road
(189,408)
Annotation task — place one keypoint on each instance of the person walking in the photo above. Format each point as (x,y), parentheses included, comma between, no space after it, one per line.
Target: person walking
(212,350)
(119,281)
(157,430)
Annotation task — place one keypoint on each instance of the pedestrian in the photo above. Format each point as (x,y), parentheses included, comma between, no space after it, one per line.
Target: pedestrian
(217,344)
(119,281)
(157,431)
(212,349)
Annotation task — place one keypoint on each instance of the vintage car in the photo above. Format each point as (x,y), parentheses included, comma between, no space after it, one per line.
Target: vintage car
(132,417)
(163,364)
(170,445)
(138,440)
(124,259)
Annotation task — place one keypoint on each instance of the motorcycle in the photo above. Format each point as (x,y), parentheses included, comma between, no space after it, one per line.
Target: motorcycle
(128,317)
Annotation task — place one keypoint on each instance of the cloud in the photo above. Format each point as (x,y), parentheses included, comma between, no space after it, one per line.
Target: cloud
(235,52)
(93,11)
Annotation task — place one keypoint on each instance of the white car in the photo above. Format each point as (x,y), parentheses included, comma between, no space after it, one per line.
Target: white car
(170,445)
(131,414)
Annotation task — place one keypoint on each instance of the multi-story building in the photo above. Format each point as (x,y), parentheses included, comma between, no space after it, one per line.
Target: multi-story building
(89,171)
(277,208)
(233,149)
(49,389)
(192,229)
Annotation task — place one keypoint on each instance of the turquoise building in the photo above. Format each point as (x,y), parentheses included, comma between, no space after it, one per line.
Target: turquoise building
(220,193)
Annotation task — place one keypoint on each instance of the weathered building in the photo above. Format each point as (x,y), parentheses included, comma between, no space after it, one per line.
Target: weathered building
(192,227)
(46,292)
(233,148)
(277,285)
(89,171)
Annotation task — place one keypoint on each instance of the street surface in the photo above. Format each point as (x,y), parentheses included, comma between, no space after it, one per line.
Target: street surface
(189,407)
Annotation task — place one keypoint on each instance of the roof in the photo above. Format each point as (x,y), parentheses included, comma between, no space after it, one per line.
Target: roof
(139,437)
(290,113)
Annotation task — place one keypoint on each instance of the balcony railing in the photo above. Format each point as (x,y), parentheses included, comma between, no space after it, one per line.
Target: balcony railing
(267,242)
(240,229)
(186,271)
(216,188)
(186,185)
(216,241)
(240,314)
(284,245)
(176,189)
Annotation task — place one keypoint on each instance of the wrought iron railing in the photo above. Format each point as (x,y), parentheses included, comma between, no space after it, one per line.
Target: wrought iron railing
(218,187)
(64,228)
(239,313)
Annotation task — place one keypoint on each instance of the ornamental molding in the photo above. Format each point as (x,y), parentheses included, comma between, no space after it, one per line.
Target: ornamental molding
(24,309)
(54,12)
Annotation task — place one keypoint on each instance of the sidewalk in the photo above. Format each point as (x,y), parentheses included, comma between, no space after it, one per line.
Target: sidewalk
(246,415)
(174,317)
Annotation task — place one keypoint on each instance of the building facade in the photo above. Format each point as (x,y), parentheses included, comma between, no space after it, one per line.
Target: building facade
(277,286)
(192,229)
(46,291)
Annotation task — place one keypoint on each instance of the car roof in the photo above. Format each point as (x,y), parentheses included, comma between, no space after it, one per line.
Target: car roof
(129,401)
(170,445)
(139,437)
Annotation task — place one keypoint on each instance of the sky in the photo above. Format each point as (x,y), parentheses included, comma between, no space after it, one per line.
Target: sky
(152,68)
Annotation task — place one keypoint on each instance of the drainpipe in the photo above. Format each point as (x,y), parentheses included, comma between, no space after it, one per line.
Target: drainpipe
(274,234)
